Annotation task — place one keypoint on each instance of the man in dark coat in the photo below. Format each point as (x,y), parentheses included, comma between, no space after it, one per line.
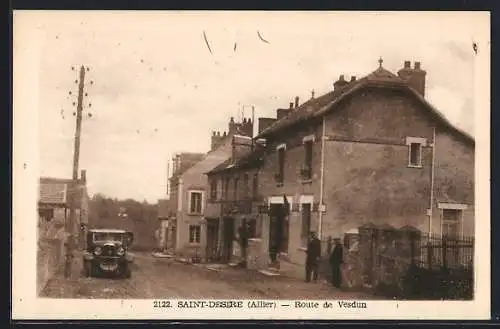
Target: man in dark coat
(313,254)
(336,260)
(243,241)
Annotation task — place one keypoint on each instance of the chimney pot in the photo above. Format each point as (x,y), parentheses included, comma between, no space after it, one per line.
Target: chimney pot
(213,133)
(407,64)
(218,133)
(353,78)
(291,105)
(244,120)
(341,78)
(231,120)
(297,101)
(417,65)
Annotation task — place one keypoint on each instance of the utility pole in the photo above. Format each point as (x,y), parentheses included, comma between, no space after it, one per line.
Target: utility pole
(71,228)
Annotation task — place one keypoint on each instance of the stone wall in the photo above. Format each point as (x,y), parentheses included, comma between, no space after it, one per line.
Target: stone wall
(50,260)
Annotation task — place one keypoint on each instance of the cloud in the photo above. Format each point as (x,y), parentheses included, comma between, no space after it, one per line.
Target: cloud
(455,107)
(158,90)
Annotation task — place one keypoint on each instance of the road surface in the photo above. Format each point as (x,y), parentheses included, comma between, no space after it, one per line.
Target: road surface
(166,278)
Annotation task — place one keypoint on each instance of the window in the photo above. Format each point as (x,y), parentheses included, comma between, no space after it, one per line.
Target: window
(246,190)
(195,202)
(226,188)
(213,189)
(255,186)
(415,154)
(451,222)
(415,151)
(306,224)
(306,172)
(194,233)
(235,191)
(280,177)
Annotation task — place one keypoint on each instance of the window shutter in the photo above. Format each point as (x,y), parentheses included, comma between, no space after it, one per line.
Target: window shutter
(315,207)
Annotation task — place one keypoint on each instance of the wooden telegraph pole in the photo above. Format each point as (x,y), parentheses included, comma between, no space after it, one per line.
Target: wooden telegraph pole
(71,227)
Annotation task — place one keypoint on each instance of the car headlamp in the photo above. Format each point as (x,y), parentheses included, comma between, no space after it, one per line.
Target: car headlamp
(98,251)
(121,251)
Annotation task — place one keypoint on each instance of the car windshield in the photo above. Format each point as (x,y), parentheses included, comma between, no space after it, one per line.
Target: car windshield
(108,236)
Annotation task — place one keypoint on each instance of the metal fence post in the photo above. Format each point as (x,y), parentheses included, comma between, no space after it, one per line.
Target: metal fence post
(444,250)
(429,253)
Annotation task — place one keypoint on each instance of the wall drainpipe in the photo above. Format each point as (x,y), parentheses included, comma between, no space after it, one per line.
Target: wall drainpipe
(322,179)
(431,205)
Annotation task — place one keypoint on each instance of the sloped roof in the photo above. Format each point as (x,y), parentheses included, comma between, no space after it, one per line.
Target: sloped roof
(221,167)
(57,191)
(245,161)
(318,107)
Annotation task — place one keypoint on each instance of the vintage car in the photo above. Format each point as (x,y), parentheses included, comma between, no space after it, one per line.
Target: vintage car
(107,252)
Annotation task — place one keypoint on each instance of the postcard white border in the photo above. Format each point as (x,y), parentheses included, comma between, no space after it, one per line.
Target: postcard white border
(28,36)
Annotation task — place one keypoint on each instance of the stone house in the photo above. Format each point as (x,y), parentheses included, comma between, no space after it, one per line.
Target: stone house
(373,150)
(193,232)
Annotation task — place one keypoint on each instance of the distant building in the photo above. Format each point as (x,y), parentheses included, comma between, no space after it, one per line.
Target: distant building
(165,212)
(193,235)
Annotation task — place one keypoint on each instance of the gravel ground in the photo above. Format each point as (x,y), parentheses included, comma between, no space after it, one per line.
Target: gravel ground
(166,278)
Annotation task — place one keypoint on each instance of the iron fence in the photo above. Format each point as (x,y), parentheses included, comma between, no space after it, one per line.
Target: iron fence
(449,252)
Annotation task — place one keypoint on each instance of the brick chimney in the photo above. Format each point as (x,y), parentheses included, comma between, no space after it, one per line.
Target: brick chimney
(216,140)
(264,123)
(296,101)
(241,146)
(340,83)
(281,113)
(414,77)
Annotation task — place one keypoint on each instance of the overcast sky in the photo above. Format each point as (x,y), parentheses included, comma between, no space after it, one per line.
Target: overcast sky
(158,90)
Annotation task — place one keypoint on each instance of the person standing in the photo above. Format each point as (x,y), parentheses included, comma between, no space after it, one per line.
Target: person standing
(313,254)
(243,240)
(336,260)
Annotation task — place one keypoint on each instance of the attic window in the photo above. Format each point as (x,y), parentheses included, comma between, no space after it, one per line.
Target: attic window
(415,151)
(415,155)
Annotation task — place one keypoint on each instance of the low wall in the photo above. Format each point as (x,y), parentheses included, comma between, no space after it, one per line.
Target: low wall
(50,260)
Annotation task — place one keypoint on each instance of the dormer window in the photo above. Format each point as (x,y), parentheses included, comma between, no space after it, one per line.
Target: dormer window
(415,145)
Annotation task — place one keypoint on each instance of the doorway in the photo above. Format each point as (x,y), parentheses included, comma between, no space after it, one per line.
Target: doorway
(278,231)
(228,238)
(212,238)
